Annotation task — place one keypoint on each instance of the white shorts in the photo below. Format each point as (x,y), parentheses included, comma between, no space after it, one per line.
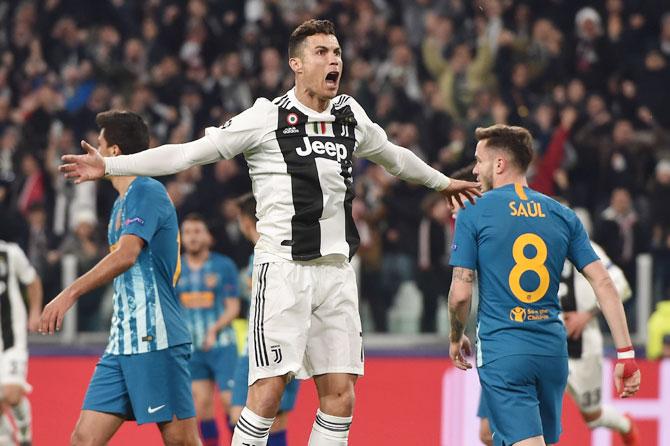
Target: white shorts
(304,320)
(585,382)
(14,367)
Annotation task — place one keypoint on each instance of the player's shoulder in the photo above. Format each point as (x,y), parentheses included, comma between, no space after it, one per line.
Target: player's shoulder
(148,189)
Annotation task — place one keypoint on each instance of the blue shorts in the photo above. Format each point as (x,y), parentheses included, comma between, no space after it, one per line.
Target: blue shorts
(523,396)
(217,364)
(149,387)
(241,386)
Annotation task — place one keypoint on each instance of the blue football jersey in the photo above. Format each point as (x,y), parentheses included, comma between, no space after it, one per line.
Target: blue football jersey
(147,315)
(203,292)
(517,240)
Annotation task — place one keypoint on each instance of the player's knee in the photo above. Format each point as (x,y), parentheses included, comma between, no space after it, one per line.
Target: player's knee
(264,396)
(339,403)
(590,417)
(182,437)
(79,438)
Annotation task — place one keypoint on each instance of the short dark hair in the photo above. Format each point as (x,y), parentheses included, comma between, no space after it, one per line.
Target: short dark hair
(194,216)
(516,141)
(125,129)
(247,205)
(306,29)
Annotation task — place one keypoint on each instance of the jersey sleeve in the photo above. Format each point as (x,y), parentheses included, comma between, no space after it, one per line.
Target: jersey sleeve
(580,251)
(243,132)
(464,247)
(24,270)
(373,136)
(142,216)
(230,276)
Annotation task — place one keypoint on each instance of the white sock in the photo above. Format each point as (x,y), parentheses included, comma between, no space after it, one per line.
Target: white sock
(329,430)
(23,419)
(611,419)
(251,429)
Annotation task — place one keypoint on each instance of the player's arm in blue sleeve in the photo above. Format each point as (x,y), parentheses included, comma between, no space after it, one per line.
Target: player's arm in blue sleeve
(228,291)
(580,251)
(464,260)
(143,209)
(113,264)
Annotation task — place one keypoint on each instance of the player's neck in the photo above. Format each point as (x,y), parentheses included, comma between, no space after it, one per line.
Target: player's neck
(121,184)
(510,178)
(197,259)
(310,100)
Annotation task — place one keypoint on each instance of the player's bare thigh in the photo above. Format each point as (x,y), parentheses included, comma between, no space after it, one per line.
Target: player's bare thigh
(180,432)
(12,394)
(95,428)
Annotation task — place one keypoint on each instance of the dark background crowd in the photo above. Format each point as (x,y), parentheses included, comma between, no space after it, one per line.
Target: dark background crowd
(591,80)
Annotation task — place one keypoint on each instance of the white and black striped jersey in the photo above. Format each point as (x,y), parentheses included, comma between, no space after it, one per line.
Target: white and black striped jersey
(300,164)
(576,294)
(14,268)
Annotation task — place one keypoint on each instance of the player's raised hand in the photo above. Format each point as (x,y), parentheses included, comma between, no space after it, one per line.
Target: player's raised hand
(87,167)
(627,377)
(52,315)
(457,351)
(459,190)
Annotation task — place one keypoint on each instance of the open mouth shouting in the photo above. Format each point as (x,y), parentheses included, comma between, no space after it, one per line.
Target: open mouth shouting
(331,79)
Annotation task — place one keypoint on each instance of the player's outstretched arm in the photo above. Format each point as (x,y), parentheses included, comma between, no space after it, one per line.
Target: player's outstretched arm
(404,164)
(460,297)
(113,264)
(162,160)
(626,373)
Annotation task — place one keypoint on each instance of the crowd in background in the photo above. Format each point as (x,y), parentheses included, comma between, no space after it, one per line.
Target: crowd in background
(589,79)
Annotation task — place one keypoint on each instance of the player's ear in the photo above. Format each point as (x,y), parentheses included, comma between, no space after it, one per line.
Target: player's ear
(296,64)
(500,164)
(116,150)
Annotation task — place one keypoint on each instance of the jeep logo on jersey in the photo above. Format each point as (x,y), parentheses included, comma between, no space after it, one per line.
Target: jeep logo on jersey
(334,150)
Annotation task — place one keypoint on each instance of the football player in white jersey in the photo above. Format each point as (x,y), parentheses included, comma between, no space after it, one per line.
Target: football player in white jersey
(304,314)
(15,322)
(585,350)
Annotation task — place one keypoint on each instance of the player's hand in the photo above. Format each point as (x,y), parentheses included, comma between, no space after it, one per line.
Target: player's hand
(575,322)
(459,189)
(80,168)
(52,316)
(34,321)
(627,377)
(456,351)
(210,340)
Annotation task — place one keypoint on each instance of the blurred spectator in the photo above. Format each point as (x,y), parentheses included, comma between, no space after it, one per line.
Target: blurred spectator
(82,244)
(592,52)
(434,272)
(621,233)
(33,187)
